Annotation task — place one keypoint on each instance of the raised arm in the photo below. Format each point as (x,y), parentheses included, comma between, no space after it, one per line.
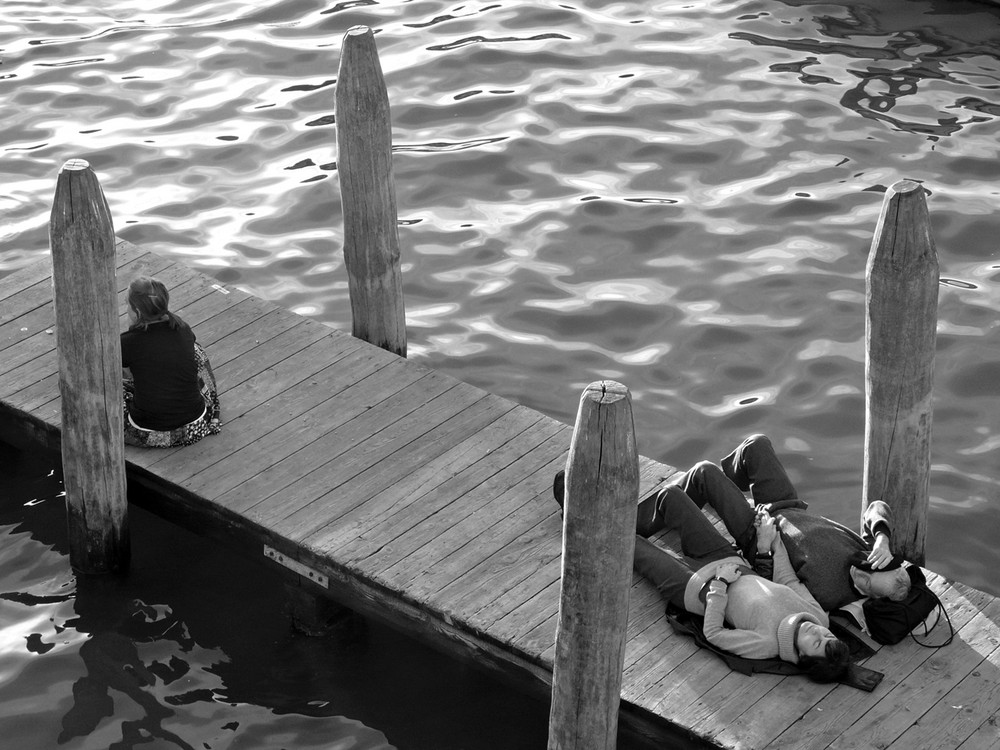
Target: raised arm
(876,530)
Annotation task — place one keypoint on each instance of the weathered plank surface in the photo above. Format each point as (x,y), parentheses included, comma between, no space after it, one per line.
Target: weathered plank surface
(428,504)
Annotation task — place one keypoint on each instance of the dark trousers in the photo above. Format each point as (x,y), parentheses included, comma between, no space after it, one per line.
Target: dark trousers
(752,467)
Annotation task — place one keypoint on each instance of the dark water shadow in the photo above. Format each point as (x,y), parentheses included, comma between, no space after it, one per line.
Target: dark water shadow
(916,46)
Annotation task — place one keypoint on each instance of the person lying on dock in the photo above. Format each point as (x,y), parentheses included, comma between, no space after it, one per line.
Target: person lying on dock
(839,567)
(170,395)
(744,613)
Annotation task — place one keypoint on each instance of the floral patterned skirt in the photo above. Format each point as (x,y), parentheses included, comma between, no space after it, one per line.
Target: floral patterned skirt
(208,423)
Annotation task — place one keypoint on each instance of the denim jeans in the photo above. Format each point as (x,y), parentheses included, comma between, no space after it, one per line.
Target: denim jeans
(753,467)
(701,543)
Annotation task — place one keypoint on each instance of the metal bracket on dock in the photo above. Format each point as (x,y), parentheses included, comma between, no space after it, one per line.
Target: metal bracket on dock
(303,570)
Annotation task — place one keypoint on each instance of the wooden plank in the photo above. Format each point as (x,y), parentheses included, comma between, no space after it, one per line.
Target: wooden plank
(438,515)
(24,277)
(476,468)
(379,533)
(884,723)
(971,705)
(28,346)
(737,693)
(645,680)
(502,557)
(499,559)
(540,641)
(233,321)
(42,400)
(519,621)
(26,313)
(485,557)
(504,574)
(301,475)
(657,651)
(44,389)
(393,454)
(647,627)
(539,577)
(987,737)
(39,373)
(320,410)
(199,302)
(261,343)
(249,419)
(15,382)
(544,575)
(41,271)
(20,346)
(818,726)
(443,526)
(246,395)
(685,684)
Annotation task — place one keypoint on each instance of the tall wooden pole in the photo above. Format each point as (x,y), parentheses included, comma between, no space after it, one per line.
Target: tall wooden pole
(368,195)
(602,484)
(900,331)
(85,291)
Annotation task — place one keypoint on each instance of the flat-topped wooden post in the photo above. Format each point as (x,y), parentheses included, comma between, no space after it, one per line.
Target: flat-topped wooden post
(85,293)
(602,485)
(368,195)
(900,332)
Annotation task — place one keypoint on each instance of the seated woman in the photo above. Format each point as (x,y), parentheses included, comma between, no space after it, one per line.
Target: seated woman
(744,613)
(170,393)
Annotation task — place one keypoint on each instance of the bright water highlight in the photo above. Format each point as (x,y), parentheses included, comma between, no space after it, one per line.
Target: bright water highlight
(679,196)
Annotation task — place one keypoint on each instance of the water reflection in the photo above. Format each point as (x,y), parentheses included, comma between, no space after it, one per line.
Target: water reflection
(194,650)
(678,196)
(896,57)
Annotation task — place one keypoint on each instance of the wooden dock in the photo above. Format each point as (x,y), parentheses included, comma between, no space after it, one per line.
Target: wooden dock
(426,503)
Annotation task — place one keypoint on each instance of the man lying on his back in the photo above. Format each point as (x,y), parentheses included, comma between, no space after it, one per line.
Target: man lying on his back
(837,565)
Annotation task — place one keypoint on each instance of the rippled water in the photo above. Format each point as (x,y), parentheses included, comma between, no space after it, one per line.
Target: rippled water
(679,196)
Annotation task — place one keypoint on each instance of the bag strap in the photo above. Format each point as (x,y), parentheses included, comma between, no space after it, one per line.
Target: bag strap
(940,609)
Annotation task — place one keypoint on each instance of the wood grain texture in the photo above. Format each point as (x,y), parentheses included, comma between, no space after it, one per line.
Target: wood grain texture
(368,195)
(89,363)
(429,505)
(900,331)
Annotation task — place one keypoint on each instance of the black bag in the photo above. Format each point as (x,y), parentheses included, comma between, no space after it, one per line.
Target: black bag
(889,622)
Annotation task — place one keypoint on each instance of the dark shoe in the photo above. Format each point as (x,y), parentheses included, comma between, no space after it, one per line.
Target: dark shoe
(559,487)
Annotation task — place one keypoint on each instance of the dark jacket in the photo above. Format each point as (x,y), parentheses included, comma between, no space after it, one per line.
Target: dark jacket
(822,551)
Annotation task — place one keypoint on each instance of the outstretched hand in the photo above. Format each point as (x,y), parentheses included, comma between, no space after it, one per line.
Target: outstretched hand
(881,555)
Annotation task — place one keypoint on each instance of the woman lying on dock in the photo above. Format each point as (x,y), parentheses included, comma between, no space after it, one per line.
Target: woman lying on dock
(853,574)
(169,389)
(744,613)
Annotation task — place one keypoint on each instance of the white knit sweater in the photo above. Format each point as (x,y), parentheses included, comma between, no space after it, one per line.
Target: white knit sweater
(763,615)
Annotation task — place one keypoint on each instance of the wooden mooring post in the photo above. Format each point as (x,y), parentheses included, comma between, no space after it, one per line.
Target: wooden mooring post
(85,293)
(900,331)
(368,195)
(599,513)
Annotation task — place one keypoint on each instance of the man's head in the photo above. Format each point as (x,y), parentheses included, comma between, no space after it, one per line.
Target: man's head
(878,584)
